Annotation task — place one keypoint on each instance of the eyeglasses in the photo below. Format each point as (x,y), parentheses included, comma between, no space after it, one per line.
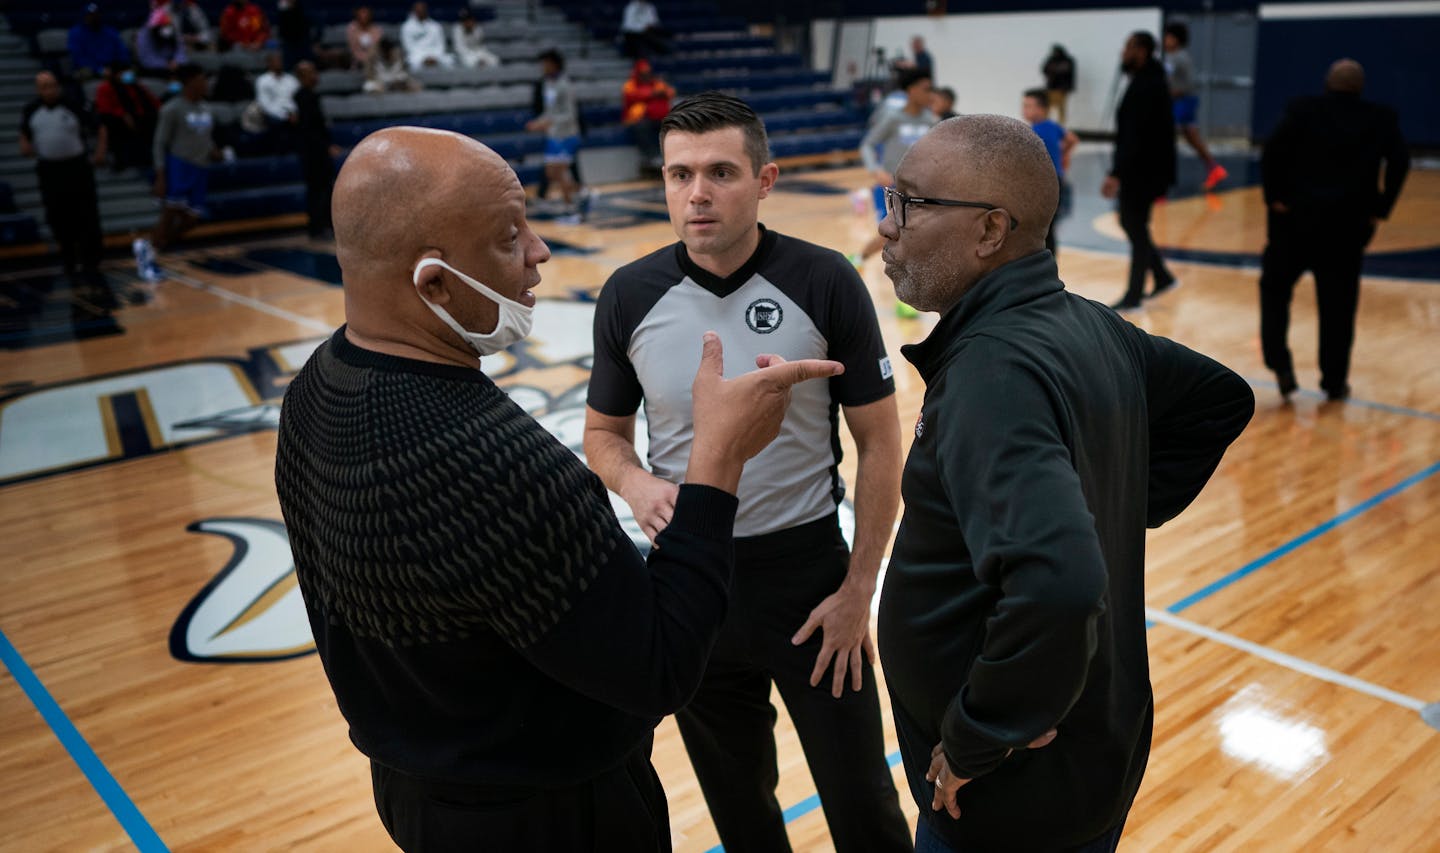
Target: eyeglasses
(896,203)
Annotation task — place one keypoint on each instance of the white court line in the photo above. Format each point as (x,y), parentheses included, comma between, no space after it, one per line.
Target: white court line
(251,302)
(1291,662)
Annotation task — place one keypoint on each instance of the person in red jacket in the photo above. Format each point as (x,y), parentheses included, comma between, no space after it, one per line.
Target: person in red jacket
(243,24)
(129,112)
(645,101)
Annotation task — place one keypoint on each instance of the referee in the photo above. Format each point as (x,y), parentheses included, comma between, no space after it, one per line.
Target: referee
(799,614)
(53,130)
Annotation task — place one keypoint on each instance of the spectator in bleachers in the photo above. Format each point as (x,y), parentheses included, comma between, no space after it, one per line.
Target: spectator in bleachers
(183,150)
(645,100)
(560,121)
(53,130)
(190,22)
(424,40)
(275,91)
(158,47)
(386,71)
(94,45)
(1059,71)
(293,25)
(640,30)
(942,103)
(363,36)
(128,112)
(275,95)
(243,24)
(317,152)
(468,38)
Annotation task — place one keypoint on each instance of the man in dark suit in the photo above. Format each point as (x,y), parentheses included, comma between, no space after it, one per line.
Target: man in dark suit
(1321,171)
(317,152)
(1144,165)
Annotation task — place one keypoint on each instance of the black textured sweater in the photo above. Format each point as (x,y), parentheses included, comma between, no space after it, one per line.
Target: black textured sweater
(480,614)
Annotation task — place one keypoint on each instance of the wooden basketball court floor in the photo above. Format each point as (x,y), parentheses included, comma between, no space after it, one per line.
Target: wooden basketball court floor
(157,690)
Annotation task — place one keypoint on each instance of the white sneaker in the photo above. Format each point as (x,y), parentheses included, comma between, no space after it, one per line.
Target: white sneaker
(144,257)
(152,273)
(568,219)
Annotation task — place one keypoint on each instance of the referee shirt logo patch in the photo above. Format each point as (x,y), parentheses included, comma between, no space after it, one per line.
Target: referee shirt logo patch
(763,316)
(885,370)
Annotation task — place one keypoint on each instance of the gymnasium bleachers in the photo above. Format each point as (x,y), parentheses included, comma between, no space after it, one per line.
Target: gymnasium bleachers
(804,113)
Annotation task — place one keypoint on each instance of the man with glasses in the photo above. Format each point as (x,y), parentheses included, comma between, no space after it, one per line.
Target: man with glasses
(1052,434)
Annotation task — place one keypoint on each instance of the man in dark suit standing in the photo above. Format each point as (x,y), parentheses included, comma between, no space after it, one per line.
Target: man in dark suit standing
(317,152)
(1321,171)
(1144,165)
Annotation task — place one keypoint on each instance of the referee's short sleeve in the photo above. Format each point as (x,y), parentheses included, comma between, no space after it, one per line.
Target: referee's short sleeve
(614,388)
(855,341)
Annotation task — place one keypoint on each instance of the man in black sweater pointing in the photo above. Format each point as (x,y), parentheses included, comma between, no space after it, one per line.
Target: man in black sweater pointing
(499,648)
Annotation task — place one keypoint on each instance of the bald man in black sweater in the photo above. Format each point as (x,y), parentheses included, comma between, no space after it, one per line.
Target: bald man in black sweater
(499,648)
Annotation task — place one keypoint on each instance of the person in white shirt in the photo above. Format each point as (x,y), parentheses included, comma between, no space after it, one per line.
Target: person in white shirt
(424,40)
(468,40)
(275,91)
(640,30)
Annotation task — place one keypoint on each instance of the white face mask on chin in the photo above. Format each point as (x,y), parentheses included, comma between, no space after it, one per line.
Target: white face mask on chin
(512,326)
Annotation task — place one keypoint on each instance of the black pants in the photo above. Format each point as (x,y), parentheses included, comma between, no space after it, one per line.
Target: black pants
(72,210)
(1332,246)
(1135,206)
(319,185)
(621,809)
(729,727)
(130,147)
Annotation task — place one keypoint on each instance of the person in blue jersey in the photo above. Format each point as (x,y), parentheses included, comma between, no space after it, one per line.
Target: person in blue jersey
(1059,143)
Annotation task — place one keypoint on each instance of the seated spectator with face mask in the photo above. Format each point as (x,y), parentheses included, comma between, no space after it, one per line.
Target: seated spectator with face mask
(128,112)
(158,47)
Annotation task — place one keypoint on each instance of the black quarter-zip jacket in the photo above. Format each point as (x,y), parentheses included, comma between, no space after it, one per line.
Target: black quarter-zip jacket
(1052,434)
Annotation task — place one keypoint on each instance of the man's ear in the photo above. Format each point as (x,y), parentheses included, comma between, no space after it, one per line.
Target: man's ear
(769,173)
(997,229)
(431,283)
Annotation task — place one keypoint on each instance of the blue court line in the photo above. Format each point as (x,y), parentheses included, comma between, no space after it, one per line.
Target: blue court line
(134,823)
(1368,404)
(1313,533)
(808,805)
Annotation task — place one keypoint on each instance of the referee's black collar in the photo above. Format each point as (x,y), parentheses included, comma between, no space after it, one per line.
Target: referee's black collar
(723,287)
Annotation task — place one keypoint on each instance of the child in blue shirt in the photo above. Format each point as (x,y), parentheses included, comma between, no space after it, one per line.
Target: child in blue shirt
(1035,108)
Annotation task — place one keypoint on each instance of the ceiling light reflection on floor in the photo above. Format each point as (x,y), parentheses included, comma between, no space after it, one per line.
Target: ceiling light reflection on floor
(1252,729)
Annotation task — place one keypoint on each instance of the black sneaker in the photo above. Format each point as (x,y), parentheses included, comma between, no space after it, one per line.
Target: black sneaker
(1286,380)
(1335,395)
(1126,306)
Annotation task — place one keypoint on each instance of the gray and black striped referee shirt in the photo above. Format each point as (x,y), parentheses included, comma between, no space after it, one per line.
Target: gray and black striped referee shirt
(792,299)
